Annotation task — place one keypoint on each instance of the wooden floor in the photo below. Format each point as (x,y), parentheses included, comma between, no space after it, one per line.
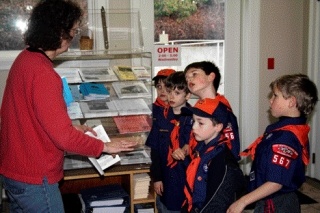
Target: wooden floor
(311,188)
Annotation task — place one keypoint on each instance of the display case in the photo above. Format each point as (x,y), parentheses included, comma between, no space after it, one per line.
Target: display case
(74,62)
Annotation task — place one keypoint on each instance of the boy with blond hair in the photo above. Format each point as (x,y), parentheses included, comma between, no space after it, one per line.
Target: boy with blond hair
(281,154)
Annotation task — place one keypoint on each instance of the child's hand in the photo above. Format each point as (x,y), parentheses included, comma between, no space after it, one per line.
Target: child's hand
(185,149)
(158,187)
(178,154)
(236,207)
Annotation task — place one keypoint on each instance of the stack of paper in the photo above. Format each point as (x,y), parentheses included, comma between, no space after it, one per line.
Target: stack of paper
(107,198)
(141,185)
(143,208)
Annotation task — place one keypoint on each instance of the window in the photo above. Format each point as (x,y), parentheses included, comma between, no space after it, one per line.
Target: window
(198,26)
(13,21)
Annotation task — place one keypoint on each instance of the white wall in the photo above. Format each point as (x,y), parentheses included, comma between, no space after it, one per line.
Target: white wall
(270,29)
(281,37)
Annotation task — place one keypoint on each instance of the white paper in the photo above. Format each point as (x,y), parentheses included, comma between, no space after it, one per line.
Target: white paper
(105,160)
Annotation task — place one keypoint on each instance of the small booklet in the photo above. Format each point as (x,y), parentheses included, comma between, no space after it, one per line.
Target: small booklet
(128,124)
(135,157)
(141,73)
(76,94)
(132,106)
(105,160)
(74,161)
(71,74)
(124,73)
(98,74)
(98,108)
(131,89)
(74,110)
(67,95)
(93,91)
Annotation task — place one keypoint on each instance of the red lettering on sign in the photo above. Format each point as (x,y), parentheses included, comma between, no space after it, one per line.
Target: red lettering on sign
(168,50)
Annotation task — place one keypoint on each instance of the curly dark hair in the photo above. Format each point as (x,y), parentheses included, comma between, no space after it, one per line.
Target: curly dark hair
(178,81)
(50,21)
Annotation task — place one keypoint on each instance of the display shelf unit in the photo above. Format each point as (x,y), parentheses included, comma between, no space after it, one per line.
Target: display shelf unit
(77,179)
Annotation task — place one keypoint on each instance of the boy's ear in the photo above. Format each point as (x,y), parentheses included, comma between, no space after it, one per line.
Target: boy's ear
(219,127)
(188,96)
(292,102)
(212,76)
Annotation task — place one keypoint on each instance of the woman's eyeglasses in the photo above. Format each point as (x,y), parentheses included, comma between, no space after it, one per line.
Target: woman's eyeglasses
(76,31)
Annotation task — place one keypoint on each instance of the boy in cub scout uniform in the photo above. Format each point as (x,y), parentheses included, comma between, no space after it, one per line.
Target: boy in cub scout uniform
(160,107)
(203,79)
(281,154)
(173,132)
(213,176)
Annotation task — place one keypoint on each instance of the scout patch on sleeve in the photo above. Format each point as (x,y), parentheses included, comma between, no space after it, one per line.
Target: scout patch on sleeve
(283,154)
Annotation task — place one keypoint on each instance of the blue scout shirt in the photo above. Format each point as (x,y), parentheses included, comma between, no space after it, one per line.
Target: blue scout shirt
(173,178)
(217,178)
(278,158)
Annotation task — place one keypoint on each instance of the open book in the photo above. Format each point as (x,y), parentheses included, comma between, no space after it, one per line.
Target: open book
(105,160)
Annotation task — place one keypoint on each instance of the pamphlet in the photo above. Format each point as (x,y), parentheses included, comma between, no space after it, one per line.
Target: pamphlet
(97,74)
(71,74)
(131,89)
(141,73)
(105,160)
(124,73)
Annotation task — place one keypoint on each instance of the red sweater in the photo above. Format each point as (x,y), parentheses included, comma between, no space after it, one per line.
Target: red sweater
(35,127)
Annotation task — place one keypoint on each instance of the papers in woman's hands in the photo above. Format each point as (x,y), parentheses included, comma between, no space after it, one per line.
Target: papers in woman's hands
(105,160)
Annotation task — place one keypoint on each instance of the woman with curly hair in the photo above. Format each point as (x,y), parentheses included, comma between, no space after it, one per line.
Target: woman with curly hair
(35,127)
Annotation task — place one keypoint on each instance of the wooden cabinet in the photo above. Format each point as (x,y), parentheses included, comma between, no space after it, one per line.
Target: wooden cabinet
(75,180)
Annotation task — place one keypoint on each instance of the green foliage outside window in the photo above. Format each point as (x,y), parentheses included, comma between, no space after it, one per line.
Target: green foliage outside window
(178,8)
(174,8)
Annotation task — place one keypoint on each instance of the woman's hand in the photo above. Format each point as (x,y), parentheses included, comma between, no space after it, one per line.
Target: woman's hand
(115,147)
